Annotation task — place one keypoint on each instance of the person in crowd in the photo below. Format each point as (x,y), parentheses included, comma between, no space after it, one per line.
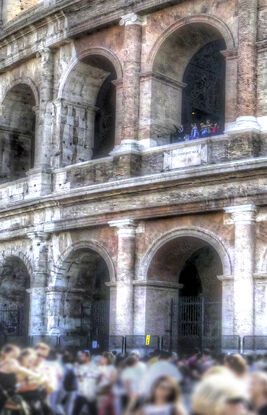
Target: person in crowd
(42,366)
(88,376)
(258,392)
(33,388)
(106,383)
(204,132)
(164,399)
(194,131)
(237,364)
(132,376)
(140,364)
(179,134)
(56,371)
(163,367)
(69,384)
(220,394)
(10,370)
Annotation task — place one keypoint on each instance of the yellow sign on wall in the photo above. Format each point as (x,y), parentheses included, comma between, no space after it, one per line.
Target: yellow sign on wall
(148,340)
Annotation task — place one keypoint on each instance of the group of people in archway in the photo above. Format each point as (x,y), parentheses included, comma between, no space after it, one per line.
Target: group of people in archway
(197,130)
(41,382)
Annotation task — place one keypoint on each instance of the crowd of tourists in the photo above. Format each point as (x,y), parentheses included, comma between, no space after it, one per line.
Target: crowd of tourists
(197,130)
(40,381)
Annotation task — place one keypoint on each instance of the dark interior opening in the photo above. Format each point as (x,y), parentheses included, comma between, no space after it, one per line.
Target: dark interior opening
(204,95)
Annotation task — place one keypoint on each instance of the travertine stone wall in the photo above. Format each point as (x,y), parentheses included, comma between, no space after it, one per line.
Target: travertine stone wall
(14,8)
(151,192)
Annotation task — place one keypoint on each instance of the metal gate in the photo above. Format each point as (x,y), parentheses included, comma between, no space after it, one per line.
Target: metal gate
(95,320)
(11,321)
(195,323)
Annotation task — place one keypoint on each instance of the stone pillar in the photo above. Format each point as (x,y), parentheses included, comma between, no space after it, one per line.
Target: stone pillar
(43,139)
(126,231)
(54,310)
(119,111)
(126,154)
(38,282)
(131,73)
(247,63)
(243,217)
(40,176)
(227,304)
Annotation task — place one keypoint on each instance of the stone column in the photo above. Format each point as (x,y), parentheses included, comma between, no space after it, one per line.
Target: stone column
(119,111)
(243,217)
(126,154)
(44,127)
(40,176)
(227,304)
(54,310)
(126,231)
(38,282)
(247,62)
(131,73)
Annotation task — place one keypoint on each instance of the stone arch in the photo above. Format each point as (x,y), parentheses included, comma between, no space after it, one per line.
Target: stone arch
(92,245)
(8,253)
(89,52)
(210,20)
(88,99)
(23,80)
(194,232)
(78,297)
(169,60)
(17,130)
(15,281)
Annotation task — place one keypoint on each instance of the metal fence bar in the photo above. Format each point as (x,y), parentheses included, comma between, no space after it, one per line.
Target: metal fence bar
(254,343)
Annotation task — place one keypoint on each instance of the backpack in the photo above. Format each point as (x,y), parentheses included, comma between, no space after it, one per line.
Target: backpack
(70,382)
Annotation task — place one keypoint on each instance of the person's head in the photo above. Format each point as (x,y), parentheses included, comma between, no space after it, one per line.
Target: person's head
(42,351)
(67,357)
(165,390)
(84,357)
(219,394)
(10,351)
(258,386)
(107,359)
(165,355)
(28,358)
(136,354)
(236,364)
(131,361)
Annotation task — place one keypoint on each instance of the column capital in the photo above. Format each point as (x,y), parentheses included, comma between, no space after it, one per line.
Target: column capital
(125,227)
(44,53)
(242,213)
(39,236)
(131,19)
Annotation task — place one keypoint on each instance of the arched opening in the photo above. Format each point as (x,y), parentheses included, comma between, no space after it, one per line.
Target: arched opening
(188,83)
(17,132)
(191,305)
(203,100)
(84,308)
(14,305)
(88,110)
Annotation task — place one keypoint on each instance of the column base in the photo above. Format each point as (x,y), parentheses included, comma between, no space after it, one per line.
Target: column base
(39,182)
(243,124)
(126,159)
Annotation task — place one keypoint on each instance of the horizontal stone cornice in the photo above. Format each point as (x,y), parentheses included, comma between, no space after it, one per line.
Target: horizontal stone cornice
(207,176)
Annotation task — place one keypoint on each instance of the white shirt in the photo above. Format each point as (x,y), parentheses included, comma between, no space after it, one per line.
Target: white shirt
(87,377)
